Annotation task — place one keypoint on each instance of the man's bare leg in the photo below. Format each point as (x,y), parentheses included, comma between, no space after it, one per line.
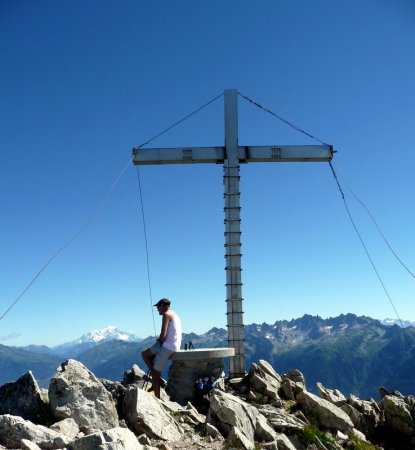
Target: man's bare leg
(155,374)
(148,358)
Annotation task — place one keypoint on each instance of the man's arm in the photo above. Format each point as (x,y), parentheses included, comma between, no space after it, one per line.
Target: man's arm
(167,316)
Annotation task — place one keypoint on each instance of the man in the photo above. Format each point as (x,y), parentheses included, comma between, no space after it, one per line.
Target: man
(167,343)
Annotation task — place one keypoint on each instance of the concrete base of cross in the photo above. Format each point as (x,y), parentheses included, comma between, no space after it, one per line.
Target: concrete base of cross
(188,366)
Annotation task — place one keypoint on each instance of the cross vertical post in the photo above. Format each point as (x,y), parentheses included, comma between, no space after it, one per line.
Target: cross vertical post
(233,254)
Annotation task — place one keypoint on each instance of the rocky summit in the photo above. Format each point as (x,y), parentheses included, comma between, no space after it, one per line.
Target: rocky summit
(262,410)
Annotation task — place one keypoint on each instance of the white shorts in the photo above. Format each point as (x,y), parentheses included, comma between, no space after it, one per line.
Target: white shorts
(162,356)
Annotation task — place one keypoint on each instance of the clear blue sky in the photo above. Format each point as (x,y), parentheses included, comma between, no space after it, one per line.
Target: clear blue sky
(81,83)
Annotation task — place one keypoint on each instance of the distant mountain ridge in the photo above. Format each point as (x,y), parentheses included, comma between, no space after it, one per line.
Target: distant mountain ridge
(355,354)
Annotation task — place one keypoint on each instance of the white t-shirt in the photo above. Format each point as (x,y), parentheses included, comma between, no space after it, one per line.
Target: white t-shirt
(174,334)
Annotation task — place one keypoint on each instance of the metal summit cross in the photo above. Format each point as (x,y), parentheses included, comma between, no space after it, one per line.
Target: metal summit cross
(231,155)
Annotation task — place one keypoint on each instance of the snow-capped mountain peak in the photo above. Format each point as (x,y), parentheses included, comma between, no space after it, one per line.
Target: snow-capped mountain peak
(89,340)
(107,334)
(404,323)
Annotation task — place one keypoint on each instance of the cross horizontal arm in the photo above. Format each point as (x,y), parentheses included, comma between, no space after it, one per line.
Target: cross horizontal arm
(185,155)
(269,153)
(286,153)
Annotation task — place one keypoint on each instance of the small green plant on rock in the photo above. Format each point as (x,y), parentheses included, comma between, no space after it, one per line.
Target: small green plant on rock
(361,445)
(258,397)
(310,434)
(289,404)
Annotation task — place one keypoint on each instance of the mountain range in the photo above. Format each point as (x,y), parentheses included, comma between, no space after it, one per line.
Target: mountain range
(355,354)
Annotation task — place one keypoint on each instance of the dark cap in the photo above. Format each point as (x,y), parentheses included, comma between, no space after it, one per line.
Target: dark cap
(163,302)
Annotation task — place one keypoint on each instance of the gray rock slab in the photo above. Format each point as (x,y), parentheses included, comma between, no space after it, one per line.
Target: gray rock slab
(398,416)
(266,367)
(332,395)
(283,443)
(263,430)
(237,439)
(213,432)
(13,429)
(281,421)
(28,445)
(264,380)
(24,398)
(67,427)
(227,411)
(144,413)
(75,392)
(325,413)
(295,375)
(114,439)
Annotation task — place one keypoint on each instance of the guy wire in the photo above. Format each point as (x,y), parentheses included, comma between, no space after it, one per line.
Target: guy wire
(377,226)
(295,127)
(69,241)
(146,246)
(96,212)
(142,202)
(411,349)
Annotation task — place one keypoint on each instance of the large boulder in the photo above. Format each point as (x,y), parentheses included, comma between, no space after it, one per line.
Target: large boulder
(355,416)
(229,413)
(13,429)
(24,398)
(324,413)
(237,439)
(365,414)
(133,376)
(29,445)
(331,395)
(266,367)
(398,415)
(290,389)
(144,413)
(283,443)
(263,431)
(75,392)
(293,382)
(263,379)
(282,421)
(113,439)
(67,427)
(296,376)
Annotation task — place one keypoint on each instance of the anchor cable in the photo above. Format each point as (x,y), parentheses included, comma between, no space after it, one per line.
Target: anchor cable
(97,211)
(142,201)
(180,121)
(377,226)
(297,128)
(408,343)
(69,241)
(147,253)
